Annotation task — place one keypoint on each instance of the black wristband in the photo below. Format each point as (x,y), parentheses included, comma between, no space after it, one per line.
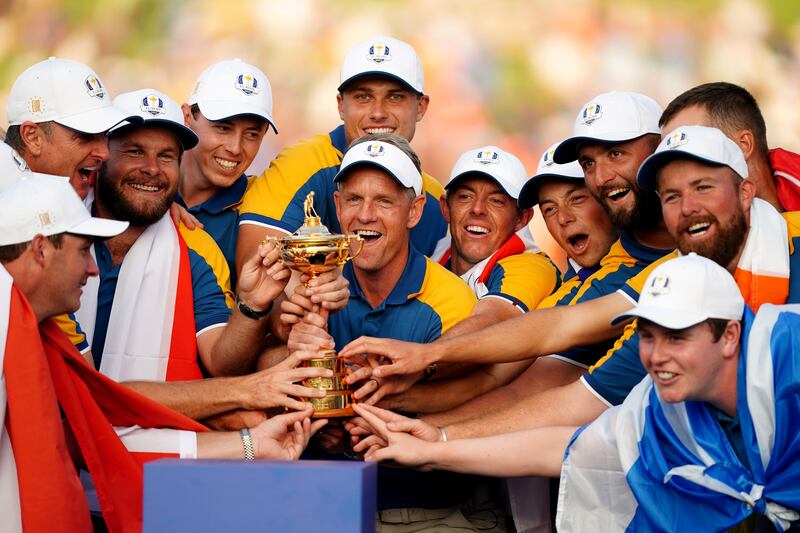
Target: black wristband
(252,313)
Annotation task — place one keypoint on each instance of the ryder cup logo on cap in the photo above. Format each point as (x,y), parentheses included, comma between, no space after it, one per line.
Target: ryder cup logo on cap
(609,118)
(493,163)
(374,149)
(591,113)
(155,109)
(39,204)
(247,83)
(233,88)
(385,156)
(94,87)
(685,291)
(66,92)
(548,169)
(153,105)
(379,53)
(487,157)
(705,145)
(383,56)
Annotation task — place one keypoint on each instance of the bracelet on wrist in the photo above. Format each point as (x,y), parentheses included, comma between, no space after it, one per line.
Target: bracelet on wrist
(442,434)
(247,444)
(249,312)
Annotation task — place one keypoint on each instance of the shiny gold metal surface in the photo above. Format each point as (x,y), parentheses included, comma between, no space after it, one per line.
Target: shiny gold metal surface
(338,396)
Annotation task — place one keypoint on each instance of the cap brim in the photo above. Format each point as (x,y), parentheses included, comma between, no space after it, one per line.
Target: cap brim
(217,110)
(529,194)
(470,173)
(667,318)
(98,120)
(186,136)
(567,151)
(383,73)
(99,227)
(362,163)
(647,176)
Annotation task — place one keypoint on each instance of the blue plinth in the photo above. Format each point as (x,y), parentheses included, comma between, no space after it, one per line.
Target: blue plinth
(285,497)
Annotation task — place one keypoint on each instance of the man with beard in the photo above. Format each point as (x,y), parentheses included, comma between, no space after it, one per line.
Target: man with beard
(733,110)
(613,134)
(159,311)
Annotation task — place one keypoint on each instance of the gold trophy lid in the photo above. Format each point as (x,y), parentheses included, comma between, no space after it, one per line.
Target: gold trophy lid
(312,230)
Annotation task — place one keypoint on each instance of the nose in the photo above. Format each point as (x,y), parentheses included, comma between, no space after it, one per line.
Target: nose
(689,204)
(150,166)
(100,148)
(377,110)
(91,267)
(366,212)
(478,206)
(565,216)
(233,143)
(602,172)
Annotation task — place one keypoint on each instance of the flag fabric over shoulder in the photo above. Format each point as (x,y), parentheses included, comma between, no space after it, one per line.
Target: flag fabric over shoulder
(648,465)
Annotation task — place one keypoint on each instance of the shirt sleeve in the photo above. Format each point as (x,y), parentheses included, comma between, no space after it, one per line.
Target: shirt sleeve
(523,280)
(615,374)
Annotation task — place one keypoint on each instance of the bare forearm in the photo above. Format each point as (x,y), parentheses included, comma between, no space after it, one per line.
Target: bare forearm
(539,332)
(219,445)
(237,347)
(536,452)
(567,405)
(196,399)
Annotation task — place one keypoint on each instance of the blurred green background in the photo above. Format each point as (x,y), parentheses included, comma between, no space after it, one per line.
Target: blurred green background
(508,72)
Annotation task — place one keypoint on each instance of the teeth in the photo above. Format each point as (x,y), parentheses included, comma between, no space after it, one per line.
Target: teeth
(379,130)
(367,233)
(224,163)
(697,228)
(665,375)
(146,188)
(616,192)
(477,229)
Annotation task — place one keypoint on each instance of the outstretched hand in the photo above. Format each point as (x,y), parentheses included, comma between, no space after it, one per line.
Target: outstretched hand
(284,437)
(394,438)
(263,277)
(406,357)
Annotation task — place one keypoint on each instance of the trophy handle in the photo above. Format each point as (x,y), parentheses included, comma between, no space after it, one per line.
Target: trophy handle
(352,256)
(276,241)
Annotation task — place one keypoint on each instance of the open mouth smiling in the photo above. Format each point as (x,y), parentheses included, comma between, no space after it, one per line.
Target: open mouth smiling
(477,230)
(368,235)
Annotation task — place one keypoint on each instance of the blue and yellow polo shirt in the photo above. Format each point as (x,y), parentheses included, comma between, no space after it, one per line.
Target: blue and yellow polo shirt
(275,198)
(616,373)
(220,217)
(523,279)
(210,290)
(626,258)
(426,301)
(571,282)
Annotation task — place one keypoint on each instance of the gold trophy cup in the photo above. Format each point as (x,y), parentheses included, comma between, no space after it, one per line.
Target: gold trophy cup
(312,250)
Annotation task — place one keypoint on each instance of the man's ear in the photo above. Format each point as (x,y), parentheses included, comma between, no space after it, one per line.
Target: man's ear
(40,249)
(731,338)
(445,208)
(415,211)
(340,105)
(187,115)
(33,137)
(746,141)
(747,191)
(523,219)
(422,106)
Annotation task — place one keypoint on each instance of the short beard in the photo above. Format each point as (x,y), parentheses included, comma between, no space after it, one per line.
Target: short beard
(723,248)
(109,192)
(645,215)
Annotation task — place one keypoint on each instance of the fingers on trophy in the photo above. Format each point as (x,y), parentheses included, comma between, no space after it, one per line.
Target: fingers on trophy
(313,250)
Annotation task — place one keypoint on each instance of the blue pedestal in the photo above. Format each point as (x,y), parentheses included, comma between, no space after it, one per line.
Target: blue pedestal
(285,497)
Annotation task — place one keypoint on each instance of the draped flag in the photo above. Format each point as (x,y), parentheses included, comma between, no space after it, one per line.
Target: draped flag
(648,465)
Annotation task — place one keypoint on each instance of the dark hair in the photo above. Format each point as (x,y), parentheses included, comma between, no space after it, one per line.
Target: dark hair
(14,136)
(730,108)
(717,327)
(11,252)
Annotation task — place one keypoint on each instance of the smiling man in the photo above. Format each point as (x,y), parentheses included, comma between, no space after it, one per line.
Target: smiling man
(58,114)
(720,378)
(230,110)
(380,91)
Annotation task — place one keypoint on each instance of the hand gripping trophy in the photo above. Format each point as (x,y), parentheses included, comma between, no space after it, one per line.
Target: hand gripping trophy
(312,250)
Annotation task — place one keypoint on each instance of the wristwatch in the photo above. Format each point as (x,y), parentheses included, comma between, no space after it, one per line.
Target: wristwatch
(252,313)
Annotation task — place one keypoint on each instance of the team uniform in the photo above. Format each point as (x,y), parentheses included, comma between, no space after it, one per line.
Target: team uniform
(426,302)
(786,171)
(626,258)
(614,375)
(220,217)
(275,198)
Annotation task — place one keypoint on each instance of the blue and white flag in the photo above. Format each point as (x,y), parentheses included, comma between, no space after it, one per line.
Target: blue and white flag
(649,465)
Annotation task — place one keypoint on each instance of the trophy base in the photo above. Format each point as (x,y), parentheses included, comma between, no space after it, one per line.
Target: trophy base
(333,413)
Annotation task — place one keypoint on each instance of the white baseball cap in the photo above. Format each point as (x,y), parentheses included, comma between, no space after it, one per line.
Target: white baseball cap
(700,143)
(39,204)
(548,169)
(232,88)
(157,109)
(385,156)
(685,291)
(611,117)
(493,163)
(383,56)
(66,92)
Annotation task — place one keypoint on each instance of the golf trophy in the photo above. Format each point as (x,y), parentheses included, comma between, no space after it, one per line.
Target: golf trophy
(312,250)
